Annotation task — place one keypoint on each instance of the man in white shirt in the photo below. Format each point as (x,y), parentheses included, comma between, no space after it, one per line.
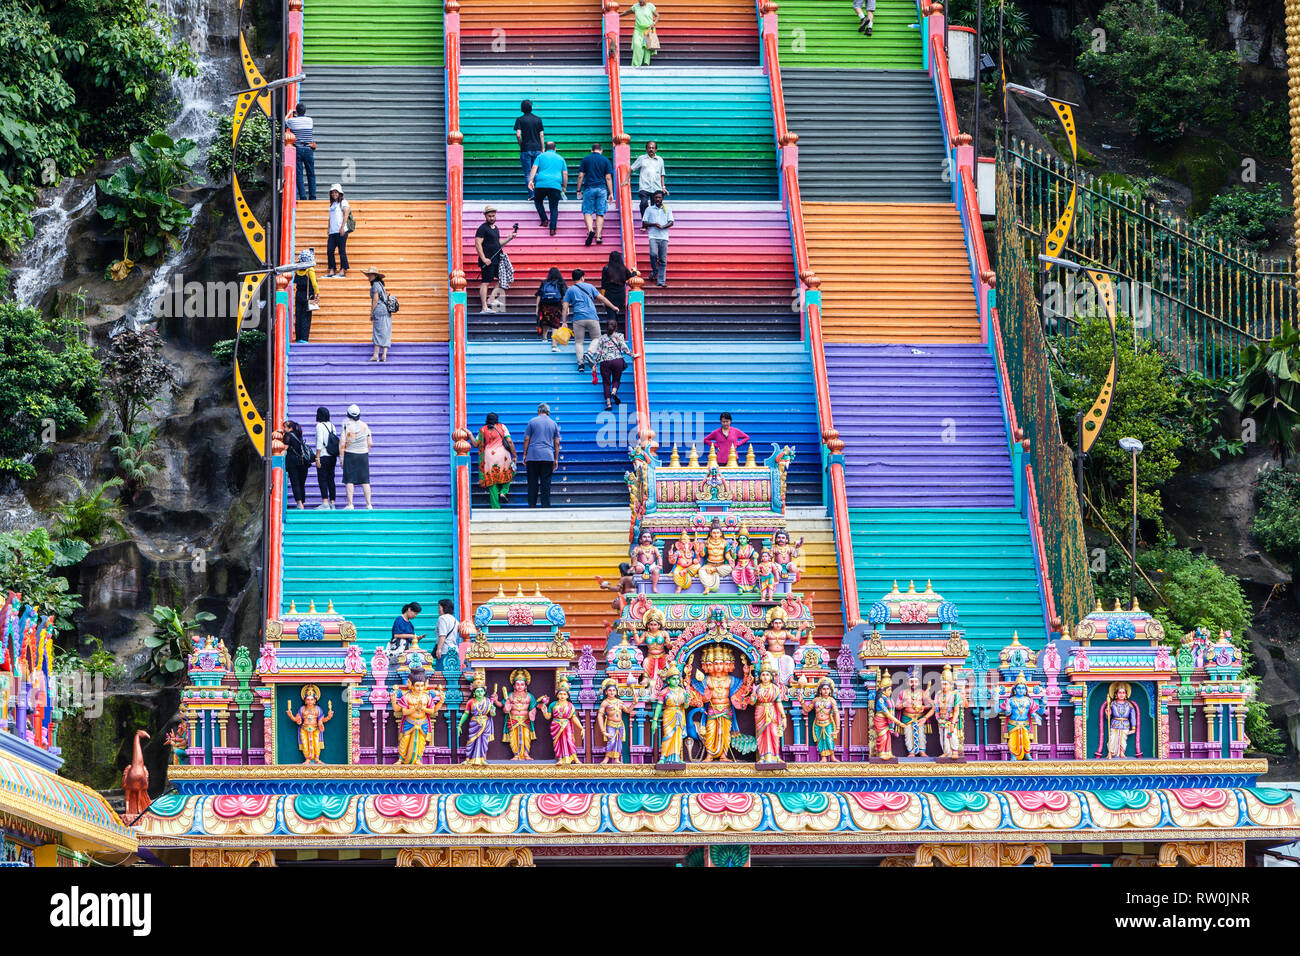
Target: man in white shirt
(657,220)
(651,176)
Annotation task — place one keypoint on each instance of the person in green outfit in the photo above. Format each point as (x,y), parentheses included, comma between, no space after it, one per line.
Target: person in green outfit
(646,19)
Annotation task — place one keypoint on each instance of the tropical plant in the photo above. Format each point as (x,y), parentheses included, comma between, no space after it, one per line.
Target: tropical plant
(251,342)
(255,142)
(135,373)
(1148,407)
(1164,78)
(1244,216)
(1203,399)
(132,453)
(48,377)
(1190,589)
(140,200)
(27,563)
(99,661)
(170,644)
(1268,390)
(1018,36)
(1265,737)
(1277,512)
(90,516)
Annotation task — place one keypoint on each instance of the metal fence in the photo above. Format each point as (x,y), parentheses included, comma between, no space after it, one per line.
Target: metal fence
(1199,300)
(1024,345)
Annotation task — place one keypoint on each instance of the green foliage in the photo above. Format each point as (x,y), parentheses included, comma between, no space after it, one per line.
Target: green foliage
(255,142)
(1268,390)
(1266,130)
(139,195)
(1192,589)
(135,373)
(1165,78)
(250,341)
(132,453)
(99,662)
(1203,400)
(1203,163)
(47,373)
(1277,512)
(1018,36)
(1244,216)
(27,563)
(1265,737)
(170,645)
(90,516)
(77,77)
(1145,406)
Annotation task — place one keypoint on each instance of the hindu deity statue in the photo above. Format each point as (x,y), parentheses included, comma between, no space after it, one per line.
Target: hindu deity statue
(712,487)
(1021,711)
(775,638)
(768,573)
(950,715)
(883,720)
(521,710)
(646,560)
(769,715)
(655,635)
(787,557)
(720,692)
(669,719)
(744,561)
(417,707)
(178,738)
(684,557)
(479,714)
(311,723)
(826,719)
(1119,721)
(716,551)
(915,706)
(609,718)
(566,726)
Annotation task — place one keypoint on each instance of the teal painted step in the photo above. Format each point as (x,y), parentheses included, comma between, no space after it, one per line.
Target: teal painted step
(369,563)
(981,559)
(714,130)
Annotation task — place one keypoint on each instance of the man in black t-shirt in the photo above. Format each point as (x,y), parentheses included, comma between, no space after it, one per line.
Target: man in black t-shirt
(488,244)
(528,131)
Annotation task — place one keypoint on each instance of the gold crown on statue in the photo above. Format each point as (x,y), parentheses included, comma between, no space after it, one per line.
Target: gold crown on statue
(520,674)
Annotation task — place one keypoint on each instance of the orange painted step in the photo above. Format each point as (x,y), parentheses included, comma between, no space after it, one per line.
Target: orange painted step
(821,577)
(405,240)
(891,272)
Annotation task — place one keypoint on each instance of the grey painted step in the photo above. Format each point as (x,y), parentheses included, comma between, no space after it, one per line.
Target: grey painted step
(380,130)
(866,135)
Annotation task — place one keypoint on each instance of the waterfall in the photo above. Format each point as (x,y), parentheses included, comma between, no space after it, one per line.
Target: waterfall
(213,36)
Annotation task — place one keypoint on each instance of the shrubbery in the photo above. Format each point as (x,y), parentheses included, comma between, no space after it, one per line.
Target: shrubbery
(1244,216)
(1277,512)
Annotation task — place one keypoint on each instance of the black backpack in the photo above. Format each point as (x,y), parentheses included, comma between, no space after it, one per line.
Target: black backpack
(331,442)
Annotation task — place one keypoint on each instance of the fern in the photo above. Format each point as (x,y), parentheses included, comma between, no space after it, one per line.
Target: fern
(90,516)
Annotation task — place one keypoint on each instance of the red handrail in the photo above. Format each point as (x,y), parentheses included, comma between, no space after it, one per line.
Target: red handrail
(789,151)
(456,301)
(626,224)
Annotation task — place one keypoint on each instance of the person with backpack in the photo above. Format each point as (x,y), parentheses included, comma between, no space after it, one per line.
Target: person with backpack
(341,226)
(550,305)
(297,459)
(580,301)
(327,457)
(356,441)
(382,307)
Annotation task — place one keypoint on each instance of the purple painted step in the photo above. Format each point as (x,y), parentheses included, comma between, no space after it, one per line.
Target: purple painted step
(922,426)
(404,400)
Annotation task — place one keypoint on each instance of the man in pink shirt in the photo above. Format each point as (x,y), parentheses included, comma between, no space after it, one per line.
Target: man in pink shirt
(725,438)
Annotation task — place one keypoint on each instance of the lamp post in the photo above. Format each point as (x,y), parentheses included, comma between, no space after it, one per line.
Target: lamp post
(1134,448)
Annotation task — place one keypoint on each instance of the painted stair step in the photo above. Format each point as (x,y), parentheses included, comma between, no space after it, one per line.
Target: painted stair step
(818,33)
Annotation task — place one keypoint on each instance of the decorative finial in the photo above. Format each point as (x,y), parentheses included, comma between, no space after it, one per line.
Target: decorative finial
(750,461)
(713,454)
(537,589)
(331,606)
(676,461)
(519,590)
(694,461)
(731,457)
(501,591)
(293,607)
(311,608)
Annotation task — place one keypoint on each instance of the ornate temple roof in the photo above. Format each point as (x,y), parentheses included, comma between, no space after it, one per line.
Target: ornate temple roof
(82,817)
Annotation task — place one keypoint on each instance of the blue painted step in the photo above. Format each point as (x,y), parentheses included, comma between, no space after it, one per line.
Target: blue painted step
(981,559)
(922,426)
(369,563)
(766,386)
(403,400)
(511,378)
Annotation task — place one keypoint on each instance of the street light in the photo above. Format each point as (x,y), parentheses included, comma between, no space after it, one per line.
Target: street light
(1134,448)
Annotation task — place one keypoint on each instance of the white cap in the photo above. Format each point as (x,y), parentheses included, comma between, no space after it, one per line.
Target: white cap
(354,411)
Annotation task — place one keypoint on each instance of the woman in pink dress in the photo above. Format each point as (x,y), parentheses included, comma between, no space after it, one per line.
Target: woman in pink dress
(566,727)
(769,715)
(496,459)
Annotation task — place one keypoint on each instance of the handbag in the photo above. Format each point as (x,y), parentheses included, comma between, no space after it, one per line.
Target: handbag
(652,39)
(562,335)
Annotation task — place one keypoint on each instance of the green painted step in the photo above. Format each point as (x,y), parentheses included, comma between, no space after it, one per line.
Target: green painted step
(825,33)
(391,32)
(981,559)
(369,563)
